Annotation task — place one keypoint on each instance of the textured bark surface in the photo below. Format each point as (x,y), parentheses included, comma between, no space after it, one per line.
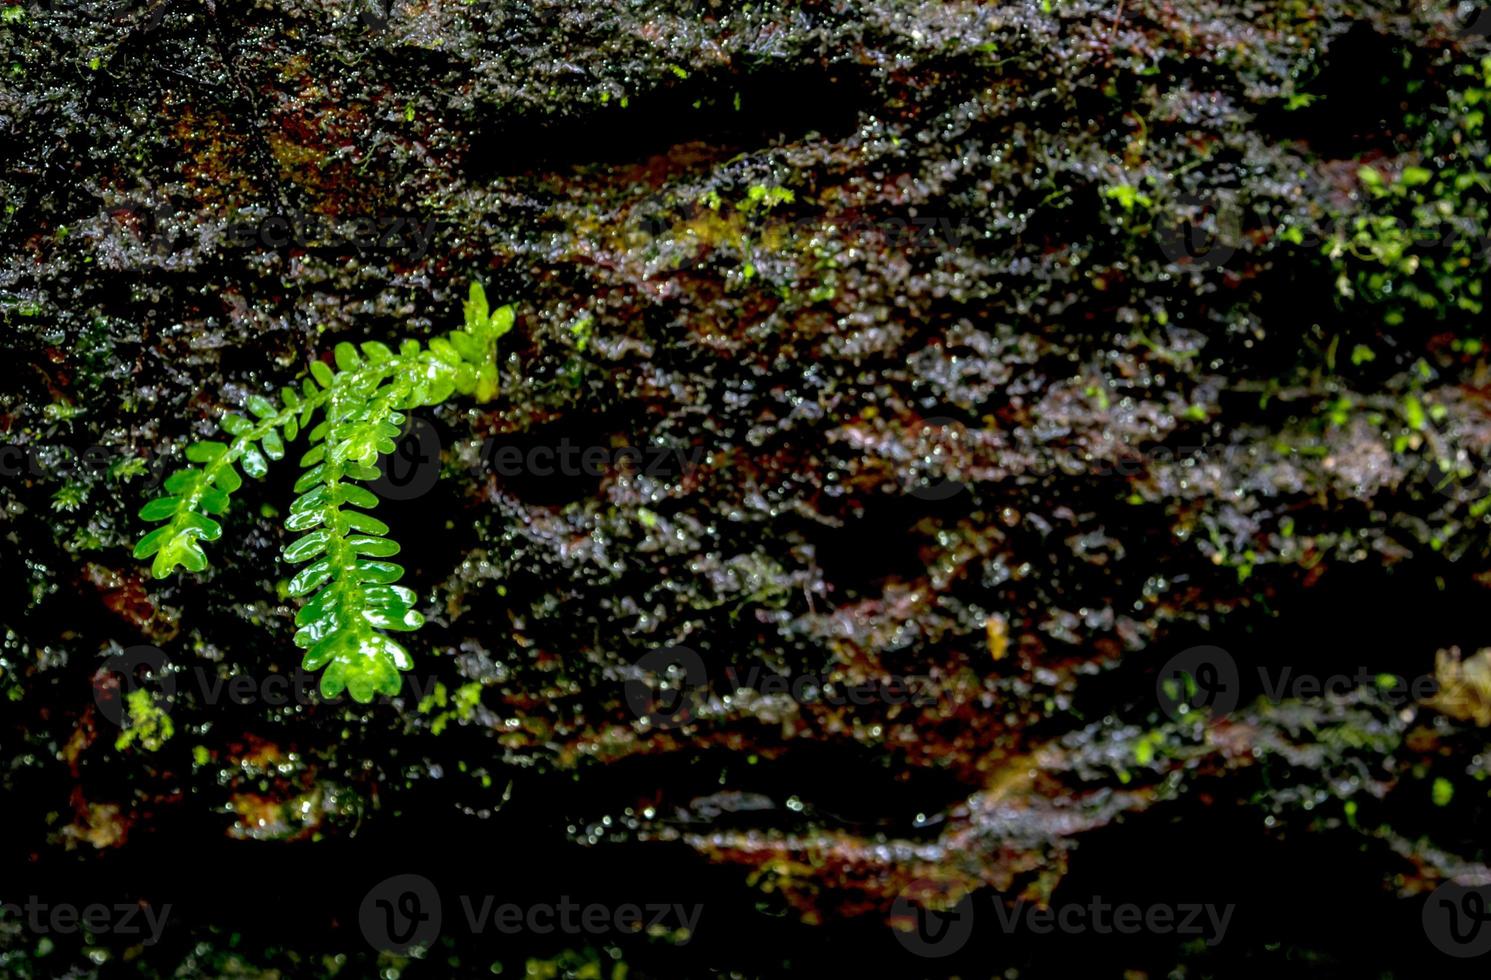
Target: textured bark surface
(1020,391)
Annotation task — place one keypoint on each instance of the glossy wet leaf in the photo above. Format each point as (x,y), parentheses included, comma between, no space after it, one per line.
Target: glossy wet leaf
(307,547)
(159,509)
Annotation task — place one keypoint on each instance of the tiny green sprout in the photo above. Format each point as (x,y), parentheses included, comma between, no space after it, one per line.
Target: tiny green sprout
(1127,195)
(1413,413)
(352,601)
(69,497)
(146,722)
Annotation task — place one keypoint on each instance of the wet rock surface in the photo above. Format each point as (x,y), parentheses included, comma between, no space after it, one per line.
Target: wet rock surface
(962,364)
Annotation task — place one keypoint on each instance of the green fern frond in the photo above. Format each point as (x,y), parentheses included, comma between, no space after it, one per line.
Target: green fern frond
(353,602)
(195,493)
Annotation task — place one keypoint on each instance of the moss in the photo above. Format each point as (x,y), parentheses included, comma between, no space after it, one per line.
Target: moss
(146,723)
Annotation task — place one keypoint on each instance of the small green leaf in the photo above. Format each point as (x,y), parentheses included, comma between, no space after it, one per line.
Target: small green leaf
(486,383)
(151,543)
(196,525)
(304,520)
(389,598)
(319,497)
(254,463)
(181,550)
(160,508)
(312,477)
(467,345)
(320,609)
(502,321)
(1414,176)
(402,621)
(1413,413)
(205,452)
(310,578)
(375,547)
(183,481)
(349,493)
(307,547)
(356,520)
(376,352)
(214,501)
(475,306)
(236,424)
(378,571)
(346,357)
